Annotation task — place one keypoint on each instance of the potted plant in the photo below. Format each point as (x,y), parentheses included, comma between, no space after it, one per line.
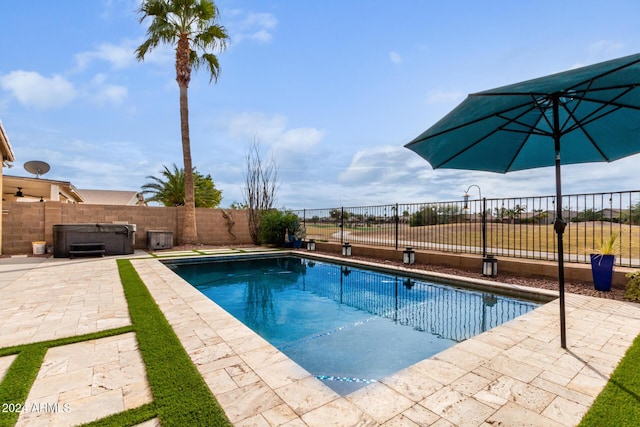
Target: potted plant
(299,236)
(602,263)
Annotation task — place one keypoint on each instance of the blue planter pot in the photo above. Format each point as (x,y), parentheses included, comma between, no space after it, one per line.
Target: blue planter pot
(602,270)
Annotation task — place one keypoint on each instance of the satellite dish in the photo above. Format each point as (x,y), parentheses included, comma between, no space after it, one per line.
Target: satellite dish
(37,167)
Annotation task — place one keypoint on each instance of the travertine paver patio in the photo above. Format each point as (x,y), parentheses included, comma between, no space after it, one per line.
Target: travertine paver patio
(77,383)
(85,381)
(511,375)
(515,374)
(60,298)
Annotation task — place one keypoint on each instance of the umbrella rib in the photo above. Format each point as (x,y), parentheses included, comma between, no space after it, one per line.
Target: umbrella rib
(607,72)
(599,112)
(496,130)
(577,85)
(529,128)
(454,128)
(591,118)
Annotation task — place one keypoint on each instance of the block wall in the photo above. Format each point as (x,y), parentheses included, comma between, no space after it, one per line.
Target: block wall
(24,223)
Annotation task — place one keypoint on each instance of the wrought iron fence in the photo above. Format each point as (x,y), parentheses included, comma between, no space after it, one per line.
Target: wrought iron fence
(519,227)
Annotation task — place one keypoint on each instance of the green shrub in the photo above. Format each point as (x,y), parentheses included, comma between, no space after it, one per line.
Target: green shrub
(632,291)
(274,224)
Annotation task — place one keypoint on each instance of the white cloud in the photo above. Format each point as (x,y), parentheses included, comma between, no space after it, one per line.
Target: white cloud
(601,50)
(111,8)
(395,57)
(35,90)
(253,26)
(288,146)
(111,94)
(119,56)
(605,47)
(103,93)
(442,97)
(271,130)
(384,164)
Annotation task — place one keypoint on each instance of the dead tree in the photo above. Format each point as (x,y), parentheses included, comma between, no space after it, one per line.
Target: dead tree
(261,185)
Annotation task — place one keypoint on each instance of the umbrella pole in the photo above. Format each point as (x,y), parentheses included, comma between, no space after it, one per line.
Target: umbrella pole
(559,224)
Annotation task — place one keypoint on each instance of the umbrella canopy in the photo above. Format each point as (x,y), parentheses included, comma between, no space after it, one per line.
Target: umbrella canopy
(512,127)
(588,114)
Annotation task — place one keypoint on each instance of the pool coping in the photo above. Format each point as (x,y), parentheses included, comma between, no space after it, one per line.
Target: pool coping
(514,371)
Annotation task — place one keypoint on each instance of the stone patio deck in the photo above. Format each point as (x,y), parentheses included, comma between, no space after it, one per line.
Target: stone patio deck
(515,374)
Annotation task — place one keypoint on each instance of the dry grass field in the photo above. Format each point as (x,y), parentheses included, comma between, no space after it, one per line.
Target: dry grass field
(580,238)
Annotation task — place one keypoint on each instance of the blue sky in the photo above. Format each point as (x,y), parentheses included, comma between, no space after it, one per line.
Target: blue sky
(331,89)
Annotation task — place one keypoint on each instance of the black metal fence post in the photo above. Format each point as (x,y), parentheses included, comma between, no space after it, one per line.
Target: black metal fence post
(484,227)
(342,225)
(396,220)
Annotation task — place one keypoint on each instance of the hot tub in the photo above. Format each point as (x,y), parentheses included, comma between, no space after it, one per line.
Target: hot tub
(118,239)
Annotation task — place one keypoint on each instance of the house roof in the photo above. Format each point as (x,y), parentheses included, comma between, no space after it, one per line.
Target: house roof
(112,197)
(36,188)
(5,148)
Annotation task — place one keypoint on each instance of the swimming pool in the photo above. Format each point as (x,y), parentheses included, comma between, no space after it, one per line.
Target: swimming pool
(347,326)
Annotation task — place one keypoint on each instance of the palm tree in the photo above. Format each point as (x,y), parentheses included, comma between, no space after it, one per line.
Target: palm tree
(191,26)
(170,191)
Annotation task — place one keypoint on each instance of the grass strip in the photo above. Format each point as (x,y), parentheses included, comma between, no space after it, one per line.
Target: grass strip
(619,402)
(181,396)
(131,417)
(67,340)
(22,373)
(18,381)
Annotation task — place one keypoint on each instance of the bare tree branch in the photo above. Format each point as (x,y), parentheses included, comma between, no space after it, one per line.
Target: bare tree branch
(261,186)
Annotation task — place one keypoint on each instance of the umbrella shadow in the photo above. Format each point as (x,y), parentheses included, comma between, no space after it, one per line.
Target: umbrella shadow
(613,381)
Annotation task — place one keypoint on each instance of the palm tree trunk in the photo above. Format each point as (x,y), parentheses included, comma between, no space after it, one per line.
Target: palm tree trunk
(189,230)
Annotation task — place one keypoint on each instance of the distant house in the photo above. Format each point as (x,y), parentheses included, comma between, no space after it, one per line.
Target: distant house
(610,214)
(6,157)
(112,197)
(23,189)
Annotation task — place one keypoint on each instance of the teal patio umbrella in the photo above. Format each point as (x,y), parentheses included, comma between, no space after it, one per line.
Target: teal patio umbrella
(588,114)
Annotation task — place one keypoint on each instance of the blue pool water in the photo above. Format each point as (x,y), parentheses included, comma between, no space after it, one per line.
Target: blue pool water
(347,326)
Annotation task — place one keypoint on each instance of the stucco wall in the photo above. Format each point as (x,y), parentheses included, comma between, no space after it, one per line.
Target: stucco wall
(28,222)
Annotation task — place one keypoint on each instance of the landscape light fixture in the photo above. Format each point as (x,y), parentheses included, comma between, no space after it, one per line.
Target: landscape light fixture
(409,256)
(311,245)
(490,266)
(346,249)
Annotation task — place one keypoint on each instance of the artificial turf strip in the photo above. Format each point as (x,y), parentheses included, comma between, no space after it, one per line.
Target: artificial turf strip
(18,381)
(180,395)
(131,417)
(67,340)
(16,384)
(619,402)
